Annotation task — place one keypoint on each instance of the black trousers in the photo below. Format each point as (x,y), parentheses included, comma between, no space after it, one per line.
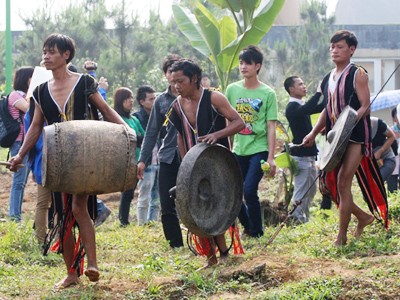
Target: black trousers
(169,216)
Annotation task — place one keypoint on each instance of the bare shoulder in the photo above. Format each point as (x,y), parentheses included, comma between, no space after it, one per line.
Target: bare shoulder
(218,97)
(361,74)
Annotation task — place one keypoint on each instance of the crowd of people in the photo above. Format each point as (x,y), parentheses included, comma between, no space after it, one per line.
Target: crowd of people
(189,112)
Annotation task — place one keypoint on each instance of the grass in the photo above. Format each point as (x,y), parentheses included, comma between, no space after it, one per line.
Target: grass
(137,263)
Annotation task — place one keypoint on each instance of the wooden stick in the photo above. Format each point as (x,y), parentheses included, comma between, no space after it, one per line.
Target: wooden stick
(7,164)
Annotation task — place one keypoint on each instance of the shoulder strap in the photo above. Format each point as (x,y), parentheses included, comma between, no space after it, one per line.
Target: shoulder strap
(86,115)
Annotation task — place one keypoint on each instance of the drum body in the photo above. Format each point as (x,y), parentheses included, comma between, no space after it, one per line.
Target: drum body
(337,139)
(88,157)
(209,190)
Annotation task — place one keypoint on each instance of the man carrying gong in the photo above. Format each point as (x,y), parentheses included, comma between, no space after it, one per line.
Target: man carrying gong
(200,115)
(347,84)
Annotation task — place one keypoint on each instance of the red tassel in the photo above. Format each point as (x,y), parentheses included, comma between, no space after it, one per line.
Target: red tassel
(203,246)
(56,246)
(237,245)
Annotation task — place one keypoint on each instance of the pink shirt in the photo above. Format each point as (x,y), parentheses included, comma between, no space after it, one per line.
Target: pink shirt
(13,98)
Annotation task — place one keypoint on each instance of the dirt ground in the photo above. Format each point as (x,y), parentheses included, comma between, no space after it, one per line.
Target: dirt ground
(29,202)
(266,271)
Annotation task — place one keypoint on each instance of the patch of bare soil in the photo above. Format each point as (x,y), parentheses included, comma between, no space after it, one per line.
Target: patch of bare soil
(29,201)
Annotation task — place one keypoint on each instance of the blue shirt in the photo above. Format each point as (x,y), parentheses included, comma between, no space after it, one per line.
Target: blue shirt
(35,162)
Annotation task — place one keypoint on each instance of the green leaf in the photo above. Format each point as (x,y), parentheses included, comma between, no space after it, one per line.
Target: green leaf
(228,31)
(187,23)
(314,118)
(236,5)
(283,160)
(252,36)
(209,29)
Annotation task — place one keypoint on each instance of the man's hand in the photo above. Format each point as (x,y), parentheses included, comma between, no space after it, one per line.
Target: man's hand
(140,170)
(14,161)
(209,138)
(272,166)
(103,83)
(308,140)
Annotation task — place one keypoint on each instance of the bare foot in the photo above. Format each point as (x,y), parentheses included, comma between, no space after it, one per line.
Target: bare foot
(361,225)
(223,259)
(211,262)
(70,280)
(340,241)
(93,274)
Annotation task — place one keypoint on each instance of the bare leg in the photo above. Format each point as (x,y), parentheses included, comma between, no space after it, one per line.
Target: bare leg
(68,255)
(223,249)
(212,258)
(350,163)
(87,233)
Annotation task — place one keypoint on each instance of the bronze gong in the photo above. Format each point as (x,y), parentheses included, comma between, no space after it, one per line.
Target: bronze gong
(209,189)
(337,139)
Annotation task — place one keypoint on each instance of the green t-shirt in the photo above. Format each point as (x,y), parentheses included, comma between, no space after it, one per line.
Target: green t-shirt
(134,123)
(256,107)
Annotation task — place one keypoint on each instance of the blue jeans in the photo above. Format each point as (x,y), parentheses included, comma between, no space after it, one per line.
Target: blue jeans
(101,207)
(250,214)
(148,206)
(18,185)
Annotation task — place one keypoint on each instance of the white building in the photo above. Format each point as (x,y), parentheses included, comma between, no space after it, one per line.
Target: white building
(377,27)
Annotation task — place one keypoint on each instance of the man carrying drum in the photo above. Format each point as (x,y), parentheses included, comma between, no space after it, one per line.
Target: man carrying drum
(200,115)
(64,98)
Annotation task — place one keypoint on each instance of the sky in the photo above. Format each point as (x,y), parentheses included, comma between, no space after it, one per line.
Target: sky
(142,7)
(26,7)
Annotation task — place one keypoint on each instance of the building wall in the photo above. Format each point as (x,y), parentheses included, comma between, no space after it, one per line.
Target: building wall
(367,12)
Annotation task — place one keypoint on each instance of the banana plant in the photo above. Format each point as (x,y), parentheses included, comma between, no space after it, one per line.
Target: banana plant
(285,161)
(222,39)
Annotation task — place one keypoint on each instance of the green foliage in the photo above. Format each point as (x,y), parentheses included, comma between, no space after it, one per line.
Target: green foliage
(306,54)
(221,39)
(317,288)
(129,55)
(137,263)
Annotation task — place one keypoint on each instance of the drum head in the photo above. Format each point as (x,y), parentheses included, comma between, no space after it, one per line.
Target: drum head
(209,190)
(337,139)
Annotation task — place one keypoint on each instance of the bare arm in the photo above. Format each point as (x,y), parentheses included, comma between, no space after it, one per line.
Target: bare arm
(388,143)
(235,122)
(108,113)
(22,105)
(309,139)
(361,86)
(30,140)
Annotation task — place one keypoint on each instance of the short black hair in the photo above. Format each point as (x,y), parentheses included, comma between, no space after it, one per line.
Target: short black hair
(346,35)
(252,54)
(72,68)
(189,69)
(394,112)
(169,61)
(63,42)
(142,93)
(289,82)
(21,79)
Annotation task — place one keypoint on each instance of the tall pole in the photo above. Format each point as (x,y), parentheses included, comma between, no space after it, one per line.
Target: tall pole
(8,47)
